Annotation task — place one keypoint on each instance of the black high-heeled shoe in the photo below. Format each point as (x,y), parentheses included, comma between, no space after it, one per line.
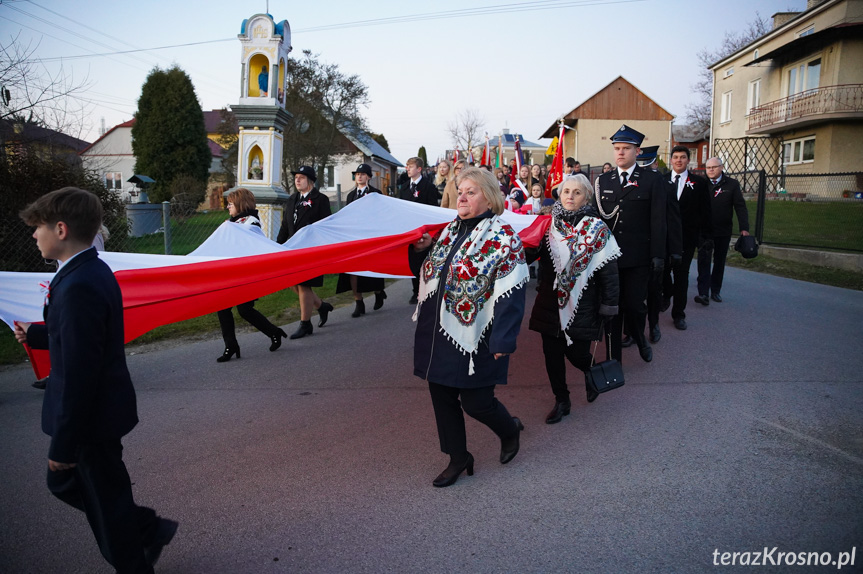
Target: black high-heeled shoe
(229,352)
(509,447)
(277,340)
(379,299)
(304,329)
(451,473)
(324,311)
(360,308)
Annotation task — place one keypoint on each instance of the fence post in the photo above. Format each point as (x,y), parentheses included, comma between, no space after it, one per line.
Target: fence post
(759,210)
(166,223)
(338,197)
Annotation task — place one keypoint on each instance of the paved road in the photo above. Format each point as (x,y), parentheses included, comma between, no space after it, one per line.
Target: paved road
(744,432)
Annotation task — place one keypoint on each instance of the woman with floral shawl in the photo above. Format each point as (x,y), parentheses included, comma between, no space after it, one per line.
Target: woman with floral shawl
(471,303)
(578,289)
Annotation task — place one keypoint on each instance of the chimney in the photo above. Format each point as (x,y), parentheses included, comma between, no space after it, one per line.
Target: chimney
(780,18)
(810,4)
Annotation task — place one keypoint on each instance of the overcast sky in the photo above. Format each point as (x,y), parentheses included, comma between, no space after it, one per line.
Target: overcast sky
(519,64)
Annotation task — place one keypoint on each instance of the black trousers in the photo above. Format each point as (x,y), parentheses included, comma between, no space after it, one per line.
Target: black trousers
(556,351)
(415,282)
(99,486)
(633,307)
(248,312)
(480,404)
(712,283)
(655,293)
(676,283)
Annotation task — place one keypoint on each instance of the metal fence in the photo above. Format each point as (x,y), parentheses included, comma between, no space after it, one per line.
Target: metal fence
(148,228)
(821,211)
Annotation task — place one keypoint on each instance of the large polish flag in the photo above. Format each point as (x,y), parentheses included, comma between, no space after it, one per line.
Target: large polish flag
(237,263)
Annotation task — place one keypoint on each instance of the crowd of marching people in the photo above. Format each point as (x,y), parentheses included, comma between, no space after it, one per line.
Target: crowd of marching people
(614,254)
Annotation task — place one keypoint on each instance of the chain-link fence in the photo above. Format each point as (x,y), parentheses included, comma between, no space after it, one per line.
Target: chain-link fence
(167,228)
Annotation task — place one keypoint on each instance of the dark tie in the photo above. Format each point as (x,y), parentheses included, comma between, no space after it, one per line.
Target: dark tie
(677,181)
(360,193)
(623,179)
(413,188)
(714,181)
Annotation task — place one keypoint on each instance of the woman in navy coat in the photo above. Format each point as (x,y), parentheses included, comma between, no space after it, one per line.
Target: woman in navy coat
(471,303)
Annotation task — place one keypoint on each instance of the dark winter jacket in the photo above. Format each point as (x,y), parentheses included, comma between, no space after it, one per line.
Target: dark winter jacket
(600,297)
(436,359)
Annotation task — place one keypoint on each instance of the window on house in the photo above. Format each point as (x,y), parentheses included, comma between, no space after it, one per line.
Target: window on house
(751,154)
(329,176)
(809,30)
(803,77)
(729,71)
(798,151)
(114,180)
(725,108)
(754,97)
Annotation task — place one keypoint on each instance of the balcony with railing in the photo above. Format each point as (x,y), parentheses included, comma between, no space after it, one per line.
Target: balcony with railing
(818,105)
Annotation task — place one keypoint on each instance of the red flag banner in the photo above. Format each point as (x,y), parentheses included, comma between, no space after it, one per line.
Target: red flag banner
(555,174)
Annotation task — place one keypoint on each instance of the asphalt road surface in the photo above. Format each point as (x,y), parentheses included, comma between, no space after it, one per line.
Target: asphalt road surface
(745,433)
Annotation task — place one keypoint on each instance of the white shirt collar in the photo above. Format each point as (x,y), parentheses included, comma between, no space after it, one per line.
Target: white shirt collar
(628,171)
(417,180)
(62,264)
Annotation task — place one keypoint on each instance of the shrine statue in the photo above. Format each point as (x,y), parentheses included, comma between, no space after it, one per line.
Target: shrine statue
(263,81)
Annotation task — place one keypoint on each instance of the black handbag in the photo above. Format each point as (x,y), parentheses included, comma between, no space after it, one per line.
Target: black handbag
(606,375)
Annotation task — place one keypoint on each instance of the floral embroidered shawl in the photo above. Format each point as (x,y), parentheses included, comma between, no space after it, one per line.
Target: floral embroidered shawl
(577,252)
(488,265)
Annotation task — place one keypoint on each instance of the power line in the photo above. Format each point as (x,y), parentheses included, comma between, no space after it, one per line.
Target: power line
(202,77)
(426,16)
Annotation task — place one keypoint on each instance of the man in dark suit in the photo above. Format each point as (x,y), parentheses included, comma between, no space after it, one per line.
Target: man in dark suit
(693,197)
(418,189)
(632,202)
(89,403)
(648,159)
(356,283)
(725,198)
(306,206)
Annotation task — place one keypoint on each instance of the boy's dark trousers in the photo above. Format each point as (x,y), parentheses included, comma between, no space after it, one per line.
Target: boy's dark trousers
(99,485)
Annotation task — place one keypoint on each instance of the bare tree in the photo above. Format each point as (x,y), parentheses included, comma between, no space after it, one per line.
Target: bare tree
(326,106)
(31,93)
(465,130)
(698,113)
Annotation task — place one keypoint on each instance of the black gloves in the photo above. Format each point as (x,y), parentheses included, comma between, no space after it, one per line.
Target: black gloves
(657,266)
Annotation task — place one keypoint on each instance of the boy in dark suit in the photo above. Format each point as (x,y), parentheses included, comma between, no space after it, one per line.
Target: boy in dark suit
(89,402)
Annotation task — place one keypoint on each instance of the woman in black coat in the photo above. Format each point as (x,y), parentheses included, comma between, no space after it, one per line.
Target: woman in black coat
(241,206)
(471,303)
(578,290)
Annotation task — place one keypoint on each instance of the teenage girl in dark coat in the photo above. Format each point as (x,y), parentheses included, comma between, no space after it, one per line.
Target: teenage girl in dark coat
(241,206)
(578,290)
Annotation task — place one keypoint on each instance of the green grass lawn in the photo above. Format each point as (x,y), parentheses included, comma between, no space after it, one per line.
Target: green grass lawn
(833,225)
(186,235)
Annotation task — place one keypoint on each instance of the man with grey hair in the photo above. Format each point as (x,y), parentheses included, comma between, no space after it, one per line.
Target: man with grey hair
(725,198)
